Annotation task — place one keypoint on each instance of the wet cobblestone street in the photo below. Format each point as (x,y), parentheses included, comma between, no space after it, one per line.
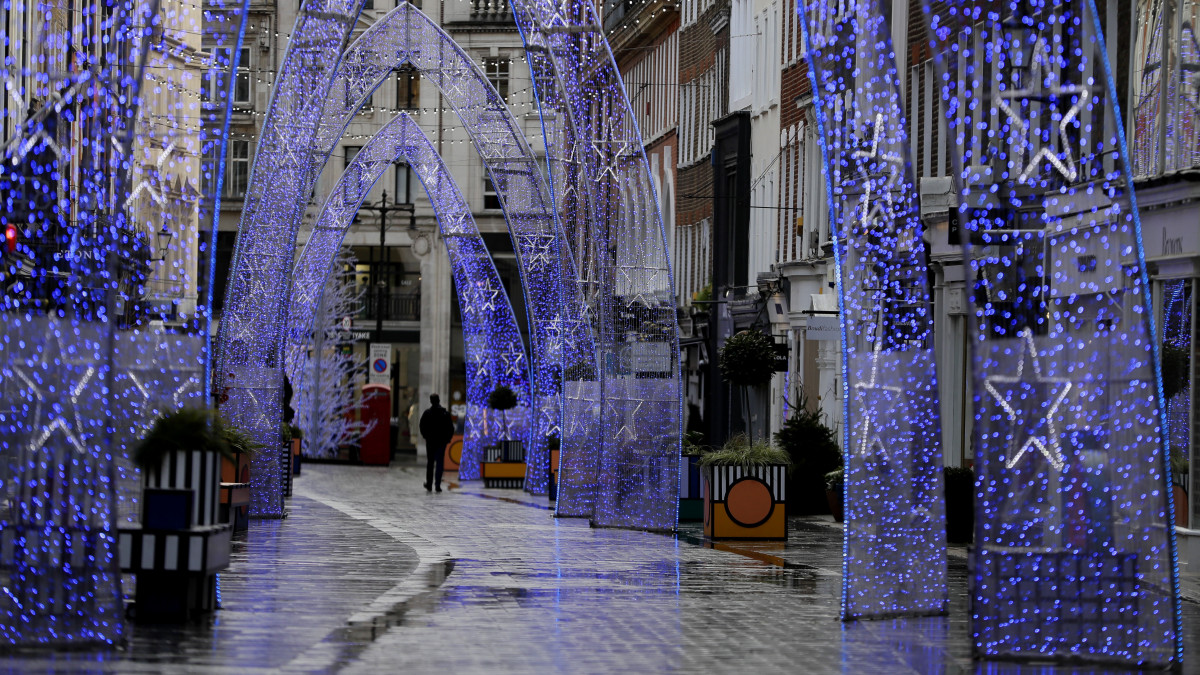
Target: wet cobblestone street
(370,574)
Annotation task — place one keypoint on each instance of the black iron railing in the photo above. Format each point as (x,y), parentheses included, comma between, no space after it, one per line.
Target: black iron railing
(395,307)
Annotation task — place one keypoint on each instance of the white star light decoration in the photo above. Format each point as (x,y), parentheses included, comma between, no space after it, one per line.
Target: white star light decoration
(144,184)
(610,150)
(871,439)
(1043,78)
(1050,447)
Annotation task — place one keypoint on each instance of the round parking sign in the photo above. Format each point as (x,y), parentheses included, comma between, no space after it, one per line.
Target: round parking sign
(379,365)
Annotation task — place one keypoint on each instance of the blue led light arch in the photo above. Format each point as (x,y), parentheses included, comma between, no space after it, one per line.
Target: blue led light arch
(404,35)
(493,349)
(894,558)
(621,435)
(1074,543)
(247,380)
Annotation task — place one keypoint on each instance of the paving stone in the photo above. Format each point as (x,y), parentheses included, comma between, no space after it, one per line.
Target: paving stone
(371,574)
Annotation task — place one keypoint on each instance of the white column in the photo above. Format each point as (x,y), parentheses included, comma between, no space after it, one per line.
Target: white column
(435,323)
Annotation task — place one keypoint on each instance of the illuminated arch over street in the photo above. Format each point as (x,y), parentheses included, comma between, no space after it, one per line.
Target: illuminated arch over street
(405,35)
(621,436)
(1075,554)
(894,558)
(494,352)
(248,379)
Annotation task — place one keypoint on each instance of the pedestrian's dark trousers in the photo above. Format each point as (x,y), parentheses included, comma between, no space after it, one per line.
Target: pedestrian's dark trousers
(437,456)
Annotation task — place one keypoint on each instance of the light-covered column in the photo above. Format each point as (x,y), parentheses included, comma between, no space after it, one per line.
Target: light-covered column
(435,321)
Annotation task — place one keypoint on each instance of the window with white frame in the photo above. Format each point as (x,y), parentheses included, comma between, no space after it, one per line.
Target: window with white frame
(491,200)
(237,168)
(242,86)
(496,70)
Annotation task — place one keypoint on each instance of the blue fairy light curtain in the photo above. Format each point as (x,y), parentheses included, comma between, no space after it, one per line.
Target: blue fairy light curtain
(108,140)
(493,350)
(621,416)
(1074,543)
(895,536)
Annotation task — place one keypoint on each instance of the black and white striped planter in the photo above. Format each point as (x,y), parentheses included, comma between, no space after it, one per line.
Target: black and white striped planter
(745,502)
(182,543)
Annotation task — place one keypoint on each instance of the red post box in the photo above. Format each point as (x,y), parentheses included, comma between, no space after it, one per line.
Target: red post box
(377,443)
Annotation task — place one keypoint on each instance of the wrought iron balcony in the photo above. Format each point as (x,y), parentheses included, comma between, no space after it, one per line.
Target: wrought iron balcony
(396,307)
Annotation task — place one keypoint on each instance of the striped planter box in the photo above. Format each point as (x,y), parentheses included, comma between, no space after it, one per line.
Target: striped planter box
(691,503)
(194,470)
(745,502)
(176,568)
(285,469)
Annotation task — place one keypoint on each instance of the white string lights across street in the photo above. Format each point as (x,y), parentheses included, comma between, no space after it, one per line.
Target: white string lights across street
(494,352)
(1075,554)
(894,558)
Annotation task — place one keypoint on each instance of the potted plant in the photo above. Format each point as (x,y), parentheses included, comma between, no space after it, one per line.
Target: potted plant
(834,482)
(691,503)
(743,488)
(813,449)
(183,542)
(502,399)
(503,465)
(297,437)
(748,360)
(554,445)
(1180,467)
(960,504)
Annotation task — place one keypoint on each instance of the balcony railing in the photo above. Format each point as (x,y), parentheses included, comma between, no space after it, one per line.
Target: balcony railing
(490,10)
(395,307)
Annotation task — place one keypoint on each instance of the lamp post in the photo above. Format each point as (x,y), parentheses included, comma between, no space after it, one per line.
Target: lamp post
(383,209)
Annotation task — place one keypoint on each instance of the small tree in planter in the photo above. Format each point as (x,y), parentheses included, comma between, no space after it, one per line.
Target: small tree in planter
(834,482)
(743,488)
(814,451)
(503,399)
(180,457)
(748,360)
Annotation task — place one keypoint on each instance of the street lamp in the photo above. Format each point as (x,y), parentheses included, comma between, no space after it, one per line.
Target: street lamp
(162,242)
(380,284)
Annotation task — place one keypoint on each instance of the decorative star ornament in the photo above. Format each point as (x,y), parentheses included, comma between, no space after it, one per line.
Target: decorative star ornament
(144,185)
(610,150)
(872,390)
(1044,86)
(1049,446)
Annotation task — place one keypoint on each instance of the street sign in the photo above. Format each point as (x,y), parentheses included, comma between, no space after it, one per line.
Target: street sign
(379,364)
(824,327)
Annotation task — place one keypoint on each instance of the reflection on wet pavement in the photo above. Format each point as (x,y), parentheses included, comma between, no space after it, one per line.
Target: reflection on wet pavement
(371,574)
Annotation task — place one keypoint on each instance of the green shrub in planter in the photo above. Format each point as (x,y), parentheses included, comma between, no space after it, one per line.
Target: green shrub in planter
(740,451)
(185,430)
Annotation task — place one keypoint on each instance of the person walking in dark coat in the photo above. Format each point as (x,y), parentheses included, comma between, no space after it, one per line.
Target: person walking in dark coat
(437,428)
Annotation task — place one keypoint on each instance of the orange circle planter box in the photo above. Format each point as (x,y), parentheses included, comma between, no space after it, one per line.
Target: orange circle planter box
(744,502)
